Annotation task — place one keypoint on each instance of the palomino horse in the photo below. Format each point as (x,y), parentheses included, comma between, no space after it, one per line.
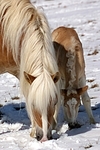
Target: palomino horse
(71,65)
(26,51)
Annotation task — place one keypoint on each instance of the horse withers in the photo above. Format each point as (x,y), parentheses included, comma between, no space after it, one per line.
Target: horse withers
(70,59)
(26,51)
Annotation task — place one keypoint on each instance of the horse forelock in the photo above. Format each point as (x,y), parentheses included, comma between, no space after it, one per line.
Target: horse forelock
(42,91)
(71,91)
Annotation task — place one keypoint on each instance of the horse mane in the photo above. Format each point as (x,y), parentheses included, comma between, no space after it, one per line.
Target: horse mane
(71,64)
(27,34)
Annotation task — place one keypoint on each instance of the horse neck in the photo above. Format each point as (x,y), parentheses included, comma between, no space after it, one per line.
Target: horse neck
(75,67)
(69,63)
(30,33)
(38,48)
(37,54)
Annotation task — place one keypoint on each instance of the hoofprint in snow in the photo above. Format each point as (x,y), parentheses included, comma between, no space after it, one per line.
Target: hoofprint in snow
(15,126)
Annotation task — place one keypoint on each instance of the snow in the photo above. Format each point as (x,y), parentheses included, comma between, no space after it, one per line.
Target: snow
(84,17)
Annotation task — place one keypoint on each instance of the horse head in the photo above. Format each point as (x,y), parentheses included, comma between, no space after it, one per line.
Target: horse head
(71,105)
(43,119)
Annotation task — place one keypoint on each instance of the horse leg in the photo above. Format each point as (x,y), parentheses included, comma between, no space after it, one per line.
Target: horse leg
(87,104)
(86,100)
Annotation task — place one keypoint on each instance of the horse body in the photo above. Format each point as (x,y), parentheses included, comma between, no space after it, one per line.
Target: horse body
(7,63)
(71,65)
(27,52)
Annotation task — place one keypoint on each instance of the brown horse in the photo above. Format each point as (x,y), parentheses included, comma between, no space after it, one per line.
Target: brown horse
(71,65)
(27,52)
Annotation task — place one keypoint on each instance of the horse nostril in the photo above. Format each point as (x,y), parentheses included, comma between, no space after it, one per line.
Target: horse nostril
(39,135)
(38,138)
(71,126)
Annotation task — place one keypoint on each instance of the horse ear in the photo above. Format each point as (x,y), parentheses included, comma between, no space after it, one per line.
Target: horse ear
(63,92)
(29,77)
(55,77)
(80,91)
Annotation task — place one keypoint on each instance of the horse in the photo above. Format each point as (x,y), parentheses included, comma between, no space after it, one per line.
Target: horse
(27,52)
(71,64)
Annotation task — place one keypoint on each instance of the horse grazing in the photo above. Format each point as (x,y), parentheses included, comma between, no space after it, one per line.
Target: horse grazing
(71,65)
(26,51)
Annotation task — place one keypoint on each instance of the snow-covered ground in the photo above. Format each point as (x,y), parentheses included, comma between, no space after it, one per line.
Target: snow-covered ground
(84,16)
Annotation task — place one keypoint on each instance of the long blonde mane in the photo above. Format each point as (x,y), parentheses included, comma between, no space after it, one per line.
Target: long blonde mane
(27,35)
